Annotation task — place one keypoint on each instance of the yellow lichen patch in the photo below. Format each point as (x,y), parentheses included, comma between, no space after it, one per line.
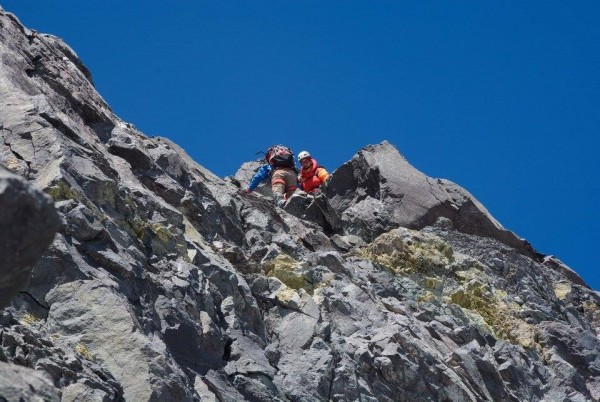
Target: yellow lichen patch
(165,241)
(282,260)
(562,290)
(286,295)
(499,316)
(474,272)
(161,232)
(83,351)
(405,251)
(427,297)
(160,237)
(289,271)
(29,320)
(61,191)
(501,294)
(14,164)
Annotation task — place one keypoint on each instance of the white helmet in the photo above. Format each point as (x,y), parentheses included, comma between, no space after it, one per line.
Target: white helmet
(302,155)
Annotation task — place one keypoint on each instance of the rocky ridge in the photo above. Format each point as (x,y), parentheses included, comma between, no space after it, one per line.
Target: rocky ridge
(165,282)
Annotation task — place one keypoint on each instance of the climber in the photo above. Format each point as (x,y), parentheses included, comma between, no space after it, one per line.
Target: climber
(311,176)
(282,170)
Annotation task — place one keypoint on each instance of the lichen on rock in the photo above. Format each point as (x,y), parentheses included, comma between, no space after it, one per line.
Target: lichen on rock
(562,290)
(404,252)
(289,271)
(61,191)
(499,316)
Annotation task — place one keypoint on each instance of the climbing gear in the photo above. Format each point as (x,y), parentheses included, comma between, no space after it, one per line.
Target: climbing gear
(302,155)
(280,156)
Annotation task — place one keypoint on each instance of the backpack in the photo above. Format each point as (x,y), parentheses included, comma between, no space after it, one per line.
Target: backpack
(280,156)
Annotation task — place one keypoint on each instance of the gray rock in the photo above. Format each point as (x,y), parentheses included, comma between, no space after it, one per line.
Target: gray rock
(110,335)
(23,384)
(220,385)
(80,393)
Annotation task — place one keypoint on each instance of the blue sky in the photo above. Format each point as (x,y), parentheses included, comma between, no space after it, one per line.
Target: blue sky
(501,97)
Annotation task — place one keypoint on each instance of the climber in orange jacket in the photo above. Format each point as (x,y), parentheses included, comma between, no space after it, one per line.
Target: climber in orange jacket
(311,174)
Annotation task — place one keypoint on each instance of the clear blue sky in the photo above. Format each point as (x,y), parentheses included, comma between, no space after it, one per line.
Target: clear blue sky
(501,97)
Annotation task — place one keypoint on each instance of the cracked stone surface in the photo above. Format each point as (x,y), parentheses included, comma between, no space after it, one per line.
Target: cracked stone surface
(166,282)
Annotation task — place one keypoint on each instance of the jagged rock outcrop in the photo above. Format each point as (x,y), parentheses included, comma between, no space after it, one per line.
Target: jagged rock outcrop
(378,190)
(166,282)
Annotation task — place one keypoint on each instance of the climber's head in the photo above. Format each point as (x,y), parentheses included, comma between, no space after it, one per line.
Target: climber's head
(303,155)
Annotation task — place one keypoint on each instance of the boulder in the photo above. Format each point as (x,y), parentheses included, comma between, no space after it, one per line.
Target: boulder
(28,223)
(23,384)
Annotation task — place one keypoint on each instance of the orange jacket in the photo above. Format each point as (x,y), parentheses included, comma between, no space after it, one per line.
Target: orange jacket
(310,179)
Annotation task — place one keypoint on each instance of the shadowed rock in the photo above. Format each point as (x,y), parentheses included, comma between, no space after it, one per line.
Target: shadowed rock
(28,222)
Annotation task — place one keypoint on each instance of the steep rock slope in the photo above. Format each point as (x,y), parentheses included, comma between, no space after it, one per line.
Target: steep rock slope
(165,282)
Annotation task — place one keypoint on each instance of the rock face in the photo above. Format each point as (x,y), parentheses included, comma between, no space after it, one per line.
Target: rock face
(165,282)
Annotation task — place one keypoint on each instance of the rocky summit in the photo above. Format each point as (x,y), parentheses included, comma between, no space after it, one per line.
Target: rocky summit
(129,272)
